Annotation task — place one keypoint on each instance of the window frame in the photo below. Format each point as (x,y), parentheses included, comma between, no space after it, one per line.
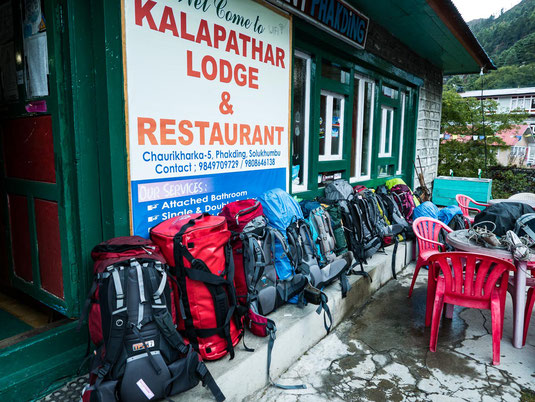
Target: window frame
(299,188)
(385,110)
(403,98)
(361,81)
(330,96)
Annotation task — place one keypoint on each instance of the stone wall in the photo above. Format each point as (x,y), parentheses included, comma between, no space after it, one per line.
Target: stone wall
(382,44)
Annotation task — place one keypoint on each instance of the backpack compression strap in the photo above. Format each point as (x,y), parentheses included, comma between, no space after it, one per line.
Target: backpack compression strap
(271,330)
(221,289)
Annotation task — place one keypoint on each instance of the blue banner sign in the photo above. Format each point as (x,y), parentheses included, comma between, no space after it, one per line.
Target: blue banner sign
(156,200)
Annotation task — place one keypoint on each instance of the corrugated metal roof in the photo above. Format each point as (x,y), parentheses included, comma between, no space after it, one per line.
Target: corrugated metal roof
(499,92)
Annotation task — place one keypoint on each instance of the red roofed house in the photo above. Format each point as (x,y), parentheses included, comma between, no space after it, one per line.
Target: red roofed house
(521,150)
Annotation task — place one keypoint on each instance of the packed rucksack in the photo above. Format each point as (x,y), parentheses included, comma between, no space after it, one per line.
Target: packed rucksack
(242,216)
(197,248)
(459,222)
(139,353)
(453,217)
(332,208)
(525,228)
(391,210)
(254,244)
(427,209)
(361,245)
(404,199)
(280,212)
(321,226)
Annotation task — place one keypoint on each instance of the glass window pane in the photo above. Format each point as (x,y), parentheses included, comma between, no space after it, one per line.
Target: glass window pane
(390,92)
(385,170)
(388,132)
(299,106)
(404,105)
(334,72)
(336,126)
(355,129)
(323,119)
(366,128)
(387,121)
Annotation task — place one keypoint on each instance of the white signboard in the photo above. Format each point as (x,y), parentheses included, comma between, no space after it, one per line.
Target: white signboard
(208,100)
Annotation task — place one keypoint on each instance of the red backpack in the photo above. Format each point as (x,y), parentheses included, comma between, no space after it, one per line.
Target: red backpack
(197,246)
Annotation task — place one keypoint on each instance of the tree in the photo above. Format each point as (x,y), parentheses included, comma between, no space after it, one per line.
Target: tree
(463,117)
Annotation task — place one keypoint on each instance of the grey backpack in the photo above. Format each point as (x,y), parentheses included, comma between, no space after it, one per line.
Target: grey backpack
(525,226)
(339,190)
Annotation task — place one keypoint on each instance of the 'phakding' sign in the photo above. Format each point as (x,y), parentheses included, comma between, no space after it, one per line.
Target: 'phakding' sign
(334,16)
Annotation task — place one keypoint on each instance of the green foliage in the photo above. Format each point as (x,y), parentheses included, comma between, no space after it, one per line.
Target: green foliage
(463,117)
(509,40)
(504,77)
(464,158)
(506,182)
(507,77)
(497,35)
(522,52)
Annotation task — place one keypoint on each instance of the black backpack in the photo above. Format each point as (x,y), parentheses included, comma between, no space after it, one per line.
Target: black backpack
(358,240)
(140,355)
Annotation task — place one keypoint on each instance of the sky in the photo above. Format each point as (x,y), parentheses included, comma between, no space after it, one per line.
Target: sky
(472,9)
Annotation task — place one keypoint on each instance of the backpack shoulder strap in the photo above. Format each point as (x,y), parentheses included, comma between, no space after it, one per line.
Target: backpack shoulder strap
(114,343)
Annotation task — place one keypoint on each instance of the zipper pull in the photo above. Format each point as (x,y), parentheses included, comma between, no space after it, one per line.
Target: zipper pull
(147,251)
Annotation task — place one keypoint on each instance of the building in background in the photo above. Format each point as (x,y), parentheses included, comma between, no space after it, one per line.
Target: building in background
(510,99)
(520,149)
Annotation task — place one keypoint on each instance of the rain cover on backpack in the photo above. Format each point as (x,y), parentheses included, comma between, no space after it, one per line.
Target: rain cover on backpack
(339,190)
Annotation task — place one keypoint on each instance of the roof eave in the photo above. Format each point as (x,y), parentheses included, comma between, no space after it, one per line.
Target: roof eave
(451,17)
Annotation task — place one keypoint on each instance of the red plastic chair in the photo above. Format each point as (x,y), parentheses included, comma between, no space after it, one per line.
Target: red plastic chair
(464,203)
(471,280)
(427,231)
(530,301)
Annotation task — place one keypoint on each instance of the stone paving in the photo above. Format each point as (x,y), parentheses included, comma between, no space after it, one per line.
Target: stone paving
(381,353)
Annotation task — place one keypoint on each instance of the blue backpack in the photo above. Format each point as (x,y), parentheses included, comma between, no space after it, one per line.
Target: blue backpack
(281,210)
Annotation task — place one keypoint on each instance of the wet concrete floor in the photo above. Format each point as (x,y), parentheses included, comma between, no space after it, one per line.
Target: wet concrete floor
(381,353)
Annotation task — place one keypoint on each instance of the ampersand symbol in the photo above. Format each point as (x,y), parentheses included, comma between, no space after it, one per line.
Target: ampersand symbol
(224,106)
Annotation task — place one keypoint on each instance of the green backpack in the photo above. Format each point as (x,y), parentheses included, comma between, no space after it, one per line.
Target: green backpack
(336,220)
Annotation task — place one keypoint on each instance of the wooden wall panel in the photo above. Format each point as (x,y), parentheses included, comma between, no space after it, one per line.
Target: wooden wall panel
(29,149)
(20,236)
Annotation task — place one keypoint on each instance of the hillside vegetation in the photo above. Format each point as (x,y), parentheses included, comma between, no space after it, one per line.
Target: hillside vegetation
(509,40)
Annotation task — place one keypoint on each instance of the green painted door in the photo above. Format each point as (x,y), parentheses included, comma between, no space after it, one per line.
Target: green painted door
(38,163)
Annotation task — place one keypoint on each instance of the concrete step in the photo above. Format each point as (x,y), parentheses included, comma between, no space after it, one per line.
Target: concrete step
(298,329)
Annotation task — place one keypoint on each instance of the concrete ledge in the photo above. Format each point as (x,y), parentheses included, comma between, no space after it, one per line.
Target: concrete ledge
(297,331)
